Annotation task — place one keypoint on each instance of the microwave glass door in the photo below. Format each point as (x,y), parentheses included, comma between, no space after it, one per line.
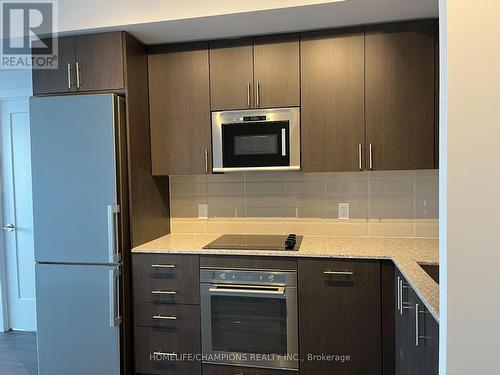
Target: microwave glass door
(242,324)
(256,144)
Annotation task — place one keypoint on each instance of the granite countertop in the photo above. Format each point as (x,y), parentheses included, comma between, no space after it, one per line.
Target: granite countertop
(406,253)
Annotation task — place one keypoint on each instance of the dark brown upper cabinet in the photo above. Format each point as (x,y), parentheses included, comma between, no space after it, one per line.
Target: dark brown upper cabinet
(179,100)
(52,81)
(85,63)
(257,72)
(276,71)
(340,313)
(332,100)
(231,74)
(400,89)
(100,61)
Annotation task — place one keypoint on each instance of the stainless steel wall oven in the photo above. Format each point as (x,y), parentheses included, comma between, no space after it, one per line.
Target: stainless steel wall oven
(249,317)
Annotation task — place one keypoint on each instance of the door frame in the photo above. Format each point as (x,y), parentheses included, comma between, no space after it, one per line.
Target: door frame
(6,95)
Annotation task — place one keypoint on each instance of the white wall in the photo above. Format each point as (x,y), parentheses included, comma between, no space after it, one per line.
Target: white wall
(471,291)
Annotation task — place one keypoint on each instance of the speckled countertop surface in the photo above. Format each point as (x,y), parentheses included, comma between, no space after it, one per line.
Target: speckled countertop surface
(405,252)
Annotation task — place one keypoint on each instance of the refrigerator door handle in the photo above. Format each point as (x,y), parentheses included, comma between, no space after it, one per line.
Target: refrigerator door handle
(114,297)
(113,241)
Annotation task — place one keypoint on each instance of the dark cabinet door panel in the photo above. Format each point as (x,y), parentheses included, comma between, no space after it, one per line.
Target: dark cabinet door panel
(158,351)
(231,74)
(166,291)
(166,266)
(400,88)
(332,100)
(174,318)
(100,61)
(179,100)
(62,79)
(340,315)
(276,70)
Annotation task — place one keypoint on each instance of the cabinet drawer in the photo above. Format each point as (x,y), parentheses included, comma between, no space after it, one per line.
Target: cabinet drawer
(164,266)
(234,370)
(175,318)
(153,346)
(166,291)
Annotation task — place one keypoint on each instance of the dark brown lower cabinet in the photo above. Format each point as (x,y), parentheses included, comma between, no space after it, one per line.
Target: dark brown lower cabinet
(160,351)
(339,317)
(235,370)
(417,333)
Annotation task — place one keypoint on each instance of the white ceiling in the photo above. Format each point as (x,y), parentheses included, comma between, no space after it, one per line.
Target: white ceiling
(155,22)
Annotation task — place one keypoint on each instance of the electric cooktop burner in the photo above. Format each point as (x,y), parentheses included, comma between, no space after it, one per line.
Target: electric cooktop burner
(289,242)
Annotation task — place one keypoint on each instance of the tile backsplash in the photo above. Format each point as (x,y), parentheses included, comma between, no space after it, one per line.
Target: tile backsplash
(389,203)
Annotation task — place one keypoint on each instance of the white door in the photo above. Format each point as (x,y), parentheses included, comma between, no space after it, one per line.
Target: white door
(17,214)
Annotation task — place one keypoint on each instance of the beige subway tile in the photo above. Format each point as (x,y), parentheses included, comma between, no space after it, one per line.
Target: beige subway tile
(185,188)
(305,187)
(263,188)
(225,188)
(188,179)
(390,228)
(225,177)
(185,206)
(390,207)
(358,207)
(346,228)
(315,227)
(225,226)
(188,226)
(263,227)
(301,176)
(270,176)
(426,228)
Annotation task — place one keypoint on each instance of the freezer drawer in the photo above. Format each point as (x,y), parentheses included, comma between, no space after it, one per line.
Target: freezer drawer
(78,319)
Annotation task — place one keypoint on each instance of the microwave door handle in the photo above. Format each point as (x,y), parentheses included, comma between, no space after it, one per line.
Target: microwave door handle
(283,142)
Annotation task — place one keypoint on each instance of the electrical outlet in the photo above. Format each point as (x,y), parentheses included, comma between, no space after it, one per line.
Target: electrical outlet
(344,211)
(203,211)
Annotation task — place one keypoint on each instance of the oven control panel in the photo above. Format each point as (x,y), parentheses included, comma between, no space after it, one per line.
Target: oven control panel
(248,277)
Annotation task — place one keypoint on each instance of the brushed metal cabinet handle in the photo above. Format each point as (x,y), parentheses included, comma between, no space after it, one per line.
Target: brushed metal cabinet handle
(78,81)
(371,156)
(168,266)
(416,325)
(360,156)
(206,160)
(257,94)
(164,317)
(168,292)
(341,273)
(70,84)
(165,354)
(249,93)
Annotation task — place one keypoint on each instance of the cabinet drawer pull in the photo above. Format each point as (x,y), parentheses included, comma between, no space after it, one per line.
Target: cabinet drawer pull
(70,84)
(170,266)
(417,325)
(360,156)
(169,292)
(371,157)
(257,94)
(249,89)
(399,294)
(164,354)
(163,317)
(339,273)
(78,81)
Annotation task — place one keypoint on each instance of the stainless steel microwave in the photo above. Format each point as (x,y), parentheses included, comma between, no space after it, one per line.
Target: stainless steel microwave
(256,139)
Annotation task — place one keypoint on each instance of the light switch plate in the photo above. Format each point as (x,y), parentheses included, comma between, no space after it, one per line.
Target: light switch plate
(203,211)
(344,211)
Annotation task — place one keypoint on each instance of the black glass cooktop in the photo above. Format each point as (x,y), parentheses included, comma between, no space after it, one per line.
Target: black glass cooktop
(289,242)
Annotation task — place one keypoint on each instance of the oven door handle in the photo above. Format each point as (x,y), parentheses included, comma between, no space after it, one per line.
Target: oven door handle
(245,290)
